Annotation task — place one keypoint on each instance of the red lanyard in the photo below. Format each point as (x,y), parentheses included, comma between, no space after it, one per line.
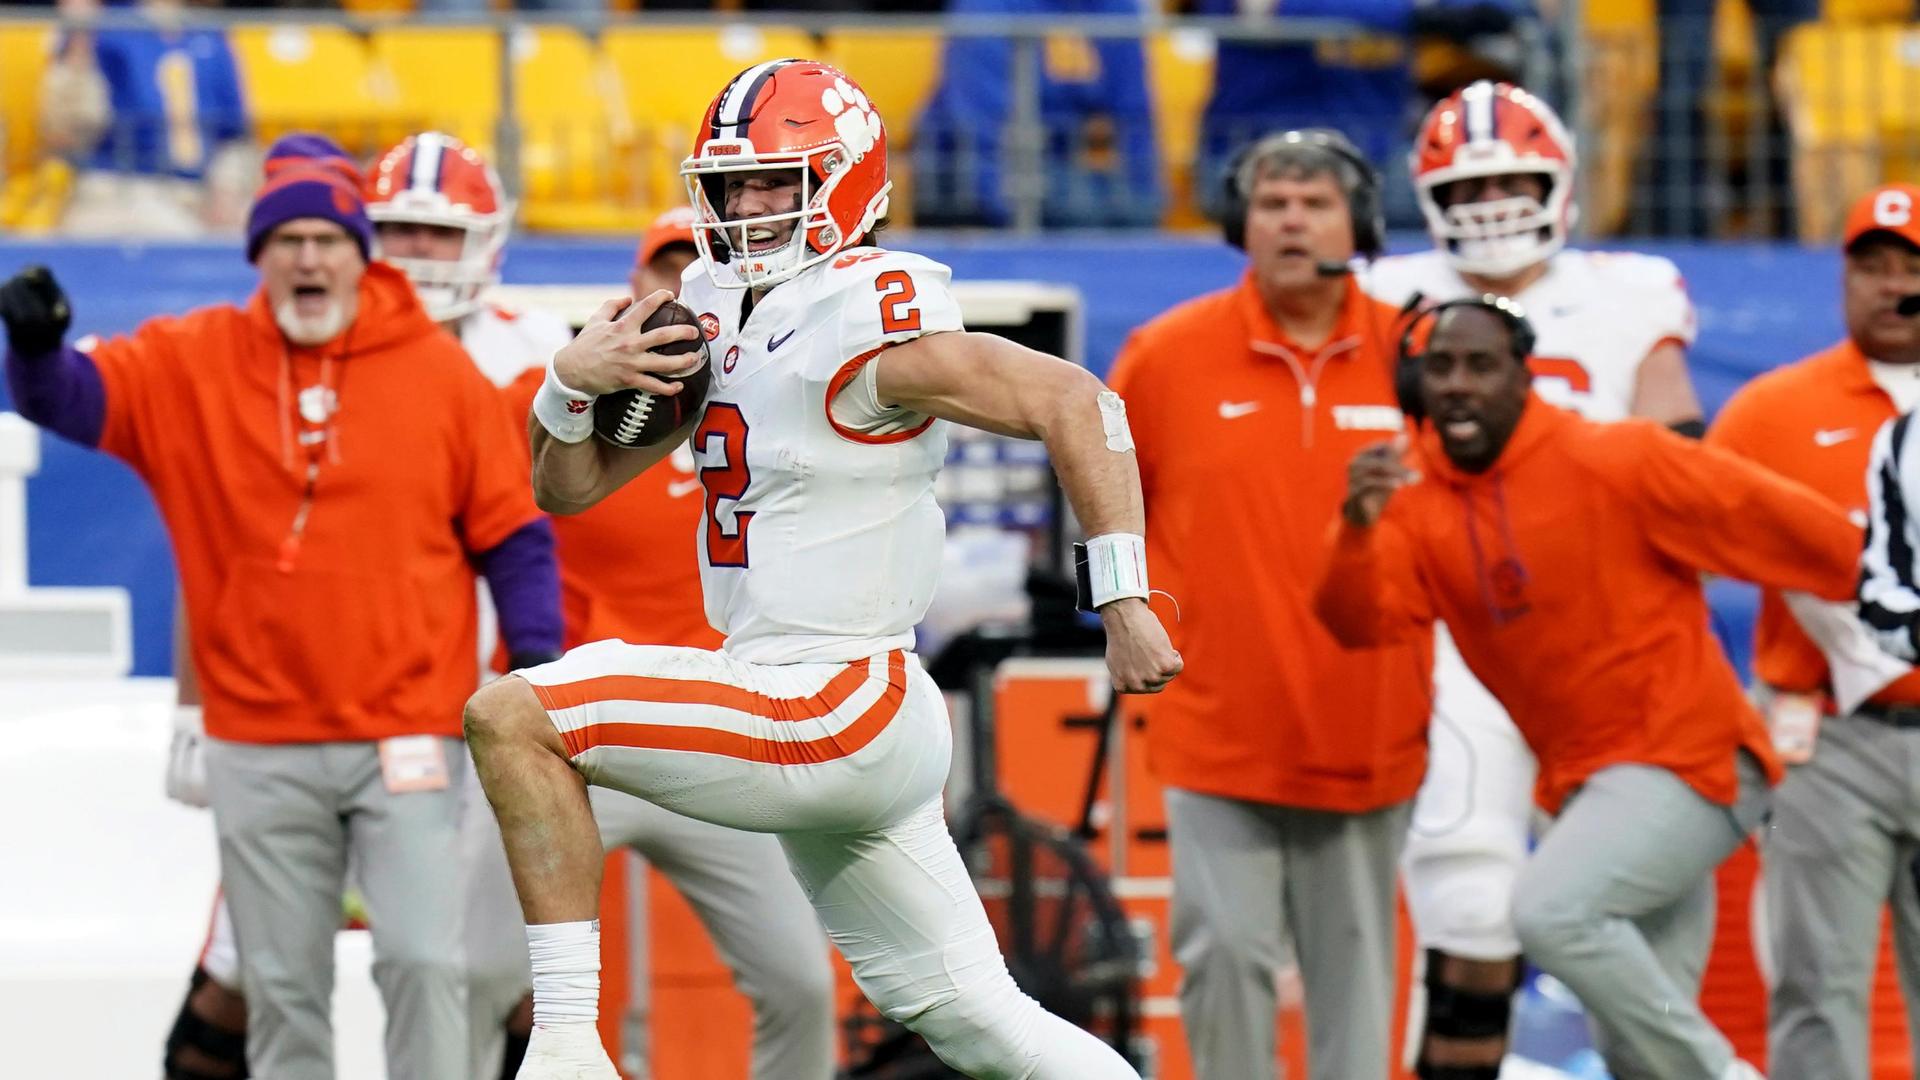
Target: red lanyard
(314,409)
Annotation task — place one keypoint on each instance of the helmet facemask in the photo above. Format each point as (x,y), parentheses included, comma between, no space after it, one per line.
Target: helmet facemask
(449,289)
(1498,237)
(814,238)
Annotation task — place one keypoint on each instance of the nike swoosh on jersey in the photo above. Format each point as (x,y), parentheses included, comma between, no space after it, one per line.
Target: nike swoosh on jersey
(774,343)
(1833,436)
(1234,410)
(678,488)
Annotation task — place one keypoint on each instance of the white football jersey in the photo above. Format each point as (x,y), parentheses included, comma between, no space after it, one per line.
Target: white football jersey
(1597,315)
(821,540)
(507,341)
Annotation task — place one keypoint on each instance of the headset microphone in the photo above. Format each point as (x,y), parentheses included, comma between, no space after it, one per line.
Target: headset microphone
(1909,306)
(1340,269)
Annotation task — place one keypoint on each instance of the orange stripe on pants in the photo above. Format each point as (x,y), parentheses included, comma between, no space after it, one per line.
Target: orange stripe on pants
(847,741)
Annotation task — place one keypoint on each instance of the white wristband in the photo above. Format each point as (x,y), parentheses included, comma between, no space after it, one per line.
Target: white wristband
(566,413)
(1116,567)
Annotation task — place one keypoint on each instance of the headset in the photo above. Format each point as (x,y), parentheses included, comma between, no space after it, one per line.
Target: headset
(1406,371)
(1363,198)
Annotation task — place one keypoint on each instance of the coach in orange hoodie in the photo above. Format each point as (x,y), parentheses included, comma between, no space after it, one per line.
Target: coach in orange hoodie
(1290,764)
(1565,556)
(331,467)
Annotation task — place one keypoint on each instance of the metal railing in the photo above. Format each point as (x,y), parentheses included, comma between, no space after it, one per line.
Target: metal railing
(1730,128)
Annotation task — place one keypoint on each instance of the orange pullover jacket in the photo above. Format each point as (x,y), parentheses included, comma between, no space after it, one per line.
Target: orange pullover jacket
(1569,574)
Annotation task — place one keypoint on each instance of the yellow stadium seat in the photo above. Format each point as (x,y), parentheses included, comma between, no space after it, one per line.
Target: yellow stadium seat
(1180,77)
(898,72)
(24,51)
(443,78)
(1866,10)
(669,77)
(313,78)
(1851,95)
(576,140)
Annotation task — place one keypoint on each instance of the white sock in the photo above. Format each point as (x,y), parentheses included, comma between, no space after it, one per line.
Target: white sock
(566,972)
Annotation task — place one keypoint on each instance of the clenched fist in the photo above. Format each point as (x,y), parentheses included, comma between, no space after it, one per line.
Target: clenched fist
(36,312)
(1140,657)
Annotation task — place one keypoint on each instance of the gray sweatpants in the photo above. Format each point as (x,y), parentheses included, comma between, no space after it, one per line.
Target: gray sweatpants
(1247,877)
(1617,902)
(289,817)
(737,883)
(1846,828)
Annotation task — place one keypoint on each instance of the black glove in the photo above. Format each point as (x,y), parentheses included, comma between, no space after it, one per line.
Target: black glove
(530,658)
(36,312)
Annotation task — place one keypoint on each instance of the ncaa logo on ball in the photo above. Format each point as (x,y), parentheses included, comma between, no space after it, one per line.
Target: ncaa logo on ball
(710,325)
(732,358)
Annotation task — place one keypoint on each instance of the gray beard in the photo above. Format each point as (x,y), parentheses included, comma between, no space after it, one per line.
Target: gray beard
(315,330)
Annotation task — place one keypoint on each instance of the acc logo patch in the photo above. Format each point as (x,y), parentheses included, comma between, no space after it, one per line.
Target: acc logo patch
(710,325)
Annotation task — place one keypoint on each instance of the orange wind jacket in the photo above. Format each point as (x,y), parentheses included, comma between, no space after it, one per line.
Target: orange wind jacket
(1569,574)
(360,624)
(1243,440)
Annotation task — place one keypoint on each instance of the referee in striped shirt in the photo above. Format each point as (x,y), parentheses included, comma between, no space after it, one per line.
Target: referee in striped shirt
(1889,576)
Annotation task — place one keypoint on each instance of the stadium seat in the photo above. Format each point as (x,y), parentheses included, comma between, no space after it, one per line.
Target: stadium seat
(1866,10)
(1619,78)
(24,51)
(443,78)
(576,140)
(1180,78)
(282,69)
(1851,95)
(669,76)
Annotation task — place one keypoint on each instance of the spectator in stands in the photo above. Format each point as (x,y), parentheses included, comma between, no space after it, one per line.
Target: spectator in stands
(1290,764)
(1361,84)
(1845,820)
(153,119)
(1095,160)
(1687,161)
(332,468)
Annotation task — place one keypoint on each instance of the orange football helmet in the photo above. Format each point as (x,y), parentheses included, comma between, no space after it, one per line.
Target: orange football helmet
(1494,129)
(435,179)
(799,114)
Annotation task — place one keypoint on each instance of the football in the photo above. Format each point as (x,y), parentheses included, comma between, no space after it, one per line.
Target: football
(630,418)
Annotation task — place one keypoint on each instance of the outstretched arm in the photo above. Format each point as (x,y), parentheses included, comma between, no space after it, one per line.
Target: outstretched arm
(988,382)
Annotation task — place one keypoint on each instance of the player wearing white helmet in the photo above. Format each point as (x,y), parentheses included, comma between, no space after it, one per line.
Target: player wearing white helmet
(1494,170)
(818,443)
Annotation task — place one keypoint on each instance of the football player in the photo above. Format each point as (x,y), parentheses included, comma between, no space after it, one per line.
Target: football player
(835,364)
(441,216)
(1493,168)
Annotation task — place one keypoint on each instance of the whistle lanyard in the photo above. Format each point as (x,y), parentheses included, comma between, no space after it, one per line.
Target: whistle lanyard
(309,435)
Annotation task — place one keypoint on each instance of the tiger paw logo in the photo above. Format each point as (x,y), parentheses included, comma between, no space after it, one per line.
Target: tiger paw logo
(854,119)
(575,406)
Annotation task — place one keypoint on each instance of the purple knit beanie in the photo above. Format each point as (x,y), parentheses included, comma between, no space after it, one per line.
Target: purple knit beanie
(308,176)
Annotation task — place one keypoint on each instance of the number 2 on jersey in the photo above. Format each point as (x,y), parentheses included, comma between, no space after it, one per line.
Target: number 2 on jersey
(726,546)
(1568,370)
(896,294)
